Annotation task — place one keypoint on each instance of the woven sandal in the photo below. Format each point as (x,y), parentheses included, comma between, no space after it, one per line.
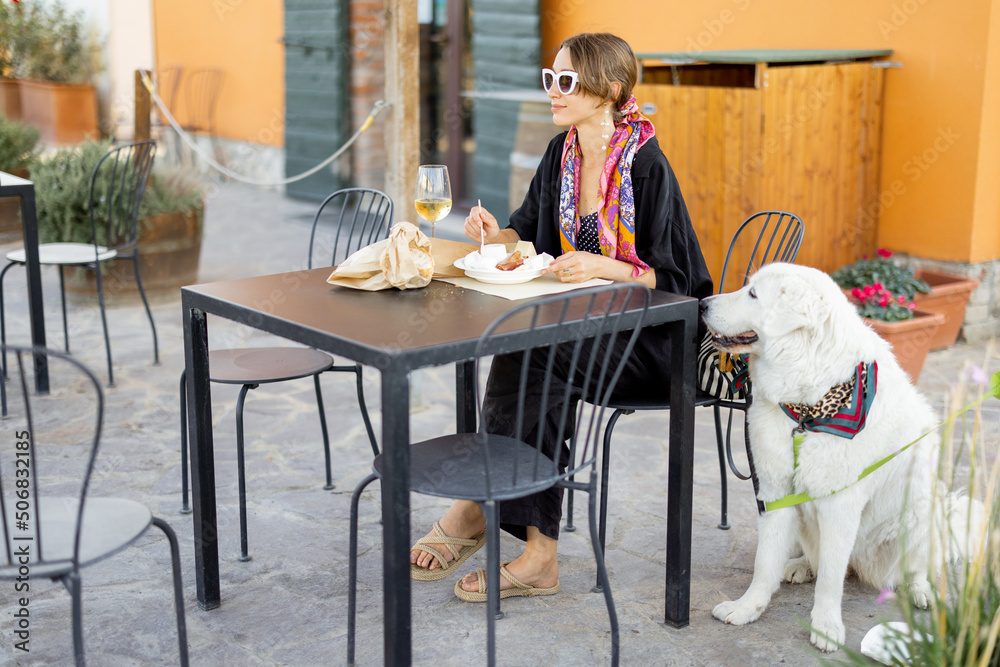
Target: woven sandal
(460,548)
(520,590)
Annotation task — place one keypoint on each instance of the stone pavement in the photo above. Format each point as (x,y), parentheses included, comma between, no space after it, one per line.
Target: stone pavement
(287,605)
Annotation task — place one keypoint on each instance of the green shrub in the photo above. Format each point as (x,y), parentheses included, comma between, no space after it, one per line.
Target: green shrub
(62,193)
(49,43)
(171,189)
(18,144)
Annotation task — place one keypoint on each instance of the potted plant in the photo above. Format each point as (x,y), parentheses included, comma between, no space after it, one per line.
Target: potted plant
(898,321)
(949,296)
(170,222)
(880,269)
(18,148)
(10,93)
(934,292)
(55,60)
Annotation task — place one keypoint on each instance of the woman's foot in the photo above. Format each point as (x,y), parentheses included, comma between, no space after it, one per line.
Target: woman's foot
(463,519)
(538,566)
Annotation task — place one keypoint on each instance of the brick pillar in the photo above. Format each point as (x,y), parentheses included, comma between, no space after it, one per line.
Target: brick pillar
(367,71)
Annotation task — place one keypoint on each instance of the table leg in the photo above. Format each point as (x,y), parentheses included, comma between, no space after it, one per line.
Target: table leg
(396,516)
(680,471)
(465,397)
(202,456)
(29,225)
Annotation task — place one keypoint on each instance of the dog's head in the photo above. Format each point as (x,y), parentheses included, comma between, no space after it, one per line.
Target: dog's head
(780,300)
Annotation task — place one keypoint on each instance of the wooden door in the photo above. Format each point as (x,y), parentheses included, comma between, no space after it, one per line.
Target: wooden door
(316,94)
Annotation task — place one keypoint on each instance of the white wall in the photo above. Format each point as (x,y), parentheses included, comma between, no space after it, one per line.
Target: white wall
(125,30)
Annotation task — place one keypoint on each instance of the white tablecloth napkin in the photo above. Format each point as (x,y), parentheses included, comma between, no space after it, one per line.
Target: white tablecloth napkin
(541,286)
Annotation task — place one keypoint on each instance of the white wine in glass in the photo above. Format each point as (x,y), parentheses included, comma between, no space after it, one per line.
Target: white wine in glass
(432,196)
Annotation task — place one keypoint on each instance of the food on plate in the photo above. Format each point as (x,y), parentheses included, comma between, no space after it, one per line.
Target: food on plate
(515,260)
(494,258)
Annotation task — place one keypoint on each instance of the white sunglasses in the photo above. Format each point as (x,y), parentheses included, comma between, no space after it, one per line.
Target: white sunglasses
(566,80)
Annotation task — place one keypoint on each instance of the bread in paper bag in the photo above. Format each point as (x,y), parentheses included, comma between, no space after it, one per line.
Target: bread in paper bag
(403,260)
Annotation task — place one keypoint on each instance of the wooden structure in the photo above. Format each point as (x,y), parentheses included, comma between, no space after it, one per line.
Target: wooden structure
(793,130)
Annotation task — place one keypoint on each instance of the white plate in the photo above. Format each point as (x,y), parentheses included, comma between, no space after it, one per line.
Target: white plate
(498,277)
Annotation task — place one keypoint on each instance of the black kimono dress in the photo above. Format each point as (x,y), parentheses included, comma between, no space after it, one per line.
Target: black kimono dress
(664,240)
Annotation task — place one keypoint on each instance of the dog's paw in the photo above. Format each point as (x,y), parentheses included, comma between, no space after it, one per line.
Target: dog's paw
(828,634)
(737,612)
(797,571)
(920,593)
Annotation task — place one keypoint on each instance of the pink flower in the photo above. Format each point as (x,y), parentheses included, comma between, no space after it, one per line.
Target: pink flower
(882,252)
(878,287)
(884,302)
(869,290)
(902,299)
(886,595)
(857,293)
(911,306)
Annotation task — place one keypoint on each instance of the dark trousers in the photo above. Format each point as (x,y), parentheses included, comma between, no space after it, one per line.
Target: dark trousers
(647,367)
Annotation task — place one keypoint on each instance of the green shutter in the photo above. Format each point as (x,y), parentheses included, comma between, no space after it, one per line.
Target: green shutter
(317,85)
(506,52)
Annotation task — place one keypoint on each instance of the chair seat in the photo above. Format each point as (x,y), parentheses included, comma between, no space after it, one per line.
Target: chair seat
(655,402)
(261,365)
(109,525)
(453,466)
(66,254)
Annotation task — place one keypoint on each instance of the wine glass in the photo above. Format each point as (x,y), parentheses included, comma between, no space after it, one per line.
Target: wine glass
(432,195)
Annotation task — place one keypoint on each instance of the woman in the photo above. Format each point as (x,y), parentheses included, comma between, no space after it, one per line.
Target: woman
(605,203)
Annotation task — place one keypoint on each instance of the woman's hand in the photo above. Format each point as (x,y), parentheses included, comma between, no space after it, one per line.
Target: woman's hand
(577,267)
(481,226)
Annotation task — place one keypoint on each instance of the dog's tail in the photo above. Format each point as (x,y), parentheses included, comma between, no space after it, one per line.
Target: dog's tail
(960,526)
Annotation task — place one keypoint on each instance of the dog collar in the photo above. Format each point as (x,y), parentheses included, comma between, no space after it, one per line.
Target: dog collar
(843,410)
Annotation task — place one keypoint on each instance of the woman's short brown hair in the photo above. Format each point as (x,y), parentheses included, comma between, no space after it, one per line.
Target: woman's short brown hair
(600,59)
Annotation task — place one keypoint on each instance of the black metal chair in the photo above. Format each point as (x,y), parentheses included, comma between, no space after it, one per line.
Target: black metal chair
(47,534)
(168,85)
(495,467)
(116,187)
(778,237)
(201,100)
(346,221)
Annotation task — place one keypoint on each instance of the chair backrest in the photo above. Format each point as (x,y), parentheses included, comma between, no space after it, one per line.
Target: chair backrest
(346,221)
(168,83)
(46,457)
(553,377)
(764,237)
(116,187)
(201,97)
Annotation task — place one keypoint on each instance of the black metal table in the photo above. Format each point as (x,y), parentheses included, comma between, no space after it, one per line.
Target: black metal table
(13,186)
(397,332)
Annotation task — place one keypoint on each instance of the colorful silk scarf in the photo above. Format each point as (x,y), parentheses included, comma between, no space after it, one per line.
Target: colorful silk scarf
(842,410)
(616,216)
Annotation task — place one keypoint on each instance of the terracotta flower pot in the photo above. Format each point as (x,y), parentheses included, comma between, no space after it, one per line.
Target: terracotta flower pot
(910,339)
(65,113)
(949,296)
(10,98)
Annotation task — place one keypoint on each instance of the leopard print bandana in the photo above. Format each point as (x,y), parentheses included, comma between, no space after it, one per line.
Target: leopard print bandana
(842,410)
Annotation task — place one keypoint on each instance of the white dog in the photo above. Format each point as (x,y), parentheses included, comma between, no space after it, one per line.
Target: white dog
(804,339)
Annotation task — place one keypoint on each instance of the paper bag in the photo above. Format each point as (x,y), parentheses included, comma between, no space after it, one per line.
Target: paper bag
(403,260)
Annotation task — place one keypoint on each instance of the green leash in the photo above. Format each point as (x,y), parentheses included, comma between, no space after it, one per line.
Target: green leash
(797,438)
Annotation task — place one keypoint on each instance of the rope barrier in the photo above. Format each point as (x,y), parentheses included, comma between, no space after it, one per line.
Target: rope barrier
(376,109)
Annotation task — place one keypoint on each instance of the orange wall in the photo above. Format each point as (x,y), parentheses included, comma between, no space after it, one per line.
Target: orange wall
(242,39)
(941,128)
